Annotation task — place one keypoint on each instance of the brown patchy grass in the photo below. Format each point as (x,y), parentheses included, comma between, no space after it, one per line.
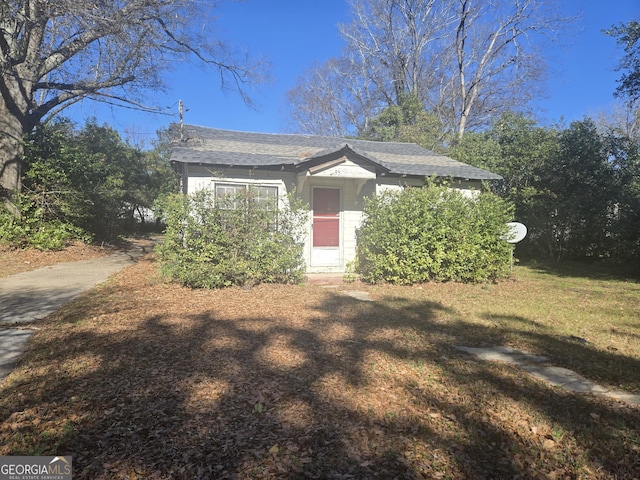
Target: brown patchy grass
(139,379)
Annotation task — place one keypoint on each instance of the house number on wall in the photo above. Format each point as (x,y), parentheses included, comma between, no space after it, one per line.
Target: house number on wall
(339,172)
(347,171)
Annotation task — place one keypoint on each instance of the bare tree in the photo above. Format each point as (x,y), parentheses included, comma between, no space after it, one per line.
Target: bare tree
(402,38)
(386,44)
(55,53)
(317,103)
(499,65)
(334,98)
(622,118)
(465,60)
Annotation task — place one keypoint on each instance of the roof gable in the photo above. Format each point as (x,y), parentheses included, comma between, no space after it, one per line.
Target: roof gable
(230,148)
(336,154)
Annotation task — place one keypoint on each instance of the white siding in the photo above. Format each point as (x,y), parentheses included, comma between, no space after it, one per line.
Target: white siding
(395,183)
(355,182)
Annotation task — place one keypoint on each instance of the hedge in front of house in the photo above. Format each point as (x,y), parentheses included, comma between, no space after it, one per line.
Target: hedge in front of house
(434,233)
(235,240)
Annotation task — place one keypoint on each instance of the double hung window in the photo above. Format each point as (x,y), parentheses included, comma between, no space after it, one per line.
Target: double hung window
(266,196)
(227,195)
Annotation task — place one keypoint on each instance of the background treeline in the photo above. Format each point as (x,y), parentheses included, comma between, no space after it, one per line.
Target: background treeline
(84,183)
(576,187)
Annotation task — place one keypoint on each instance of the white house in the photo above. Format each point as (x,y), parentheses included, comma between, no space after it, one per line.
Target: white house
(332,175)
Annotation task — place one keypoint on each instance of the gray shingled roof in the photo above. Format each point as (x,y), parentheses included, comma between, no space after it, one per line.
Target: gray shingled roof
(211,146)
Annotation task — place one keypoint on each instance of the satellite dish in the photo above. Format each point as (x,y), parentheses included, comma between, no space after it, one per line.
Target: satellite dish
(517,231)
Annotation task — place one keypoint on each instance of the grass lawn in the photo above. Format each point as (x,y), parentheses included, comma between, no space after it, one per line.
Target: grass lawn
(139,379)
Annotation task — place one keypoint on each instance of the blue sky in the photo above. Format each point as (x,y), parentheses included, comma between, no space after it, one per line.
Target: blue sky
(292,34)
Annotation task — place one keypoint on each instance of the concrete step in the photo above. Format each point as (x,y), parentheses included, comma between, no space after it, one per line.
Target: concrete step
(325,278)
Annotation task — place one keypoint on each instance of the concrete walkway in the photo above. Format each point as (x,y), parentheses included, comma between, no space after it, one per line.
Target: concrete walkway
(13,342)
(30,296)
(537,367)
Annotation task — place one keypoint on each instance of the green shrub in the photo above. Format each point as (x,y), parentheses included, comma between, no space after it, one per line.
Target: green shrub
(433,233)
(91,178)
(27,226)
(236,240)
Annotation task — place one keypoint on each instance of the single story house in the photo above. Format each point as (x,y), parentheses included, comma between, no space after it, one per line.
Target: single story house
(332,175)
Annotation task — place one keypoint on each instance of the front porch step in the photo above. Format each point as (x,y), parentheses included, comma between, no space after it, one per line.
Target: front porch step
(325,278)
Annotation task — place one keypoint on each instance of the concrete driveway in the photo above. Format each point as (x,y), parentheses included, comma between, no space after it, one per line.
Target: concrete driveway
(30,296)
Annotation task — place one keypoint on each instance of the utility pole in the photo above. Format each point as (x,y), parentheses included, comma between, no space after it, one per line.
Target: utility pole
(181,112)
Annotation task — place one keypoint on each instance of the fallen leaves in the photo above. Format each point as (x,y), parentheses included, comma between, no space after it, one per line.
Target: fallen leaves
(139,379)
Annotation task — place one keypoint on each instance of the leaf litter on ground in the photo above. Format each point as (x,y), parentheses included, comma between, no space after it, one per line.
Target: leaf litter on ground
(141,379)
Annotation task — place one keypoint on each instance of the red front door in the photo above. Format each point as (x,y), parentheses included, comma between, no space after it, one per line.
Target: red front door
(326,217)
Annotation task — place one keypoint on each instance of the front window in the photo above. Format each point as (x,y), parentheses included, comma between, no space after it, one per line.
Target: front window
(227,195)
(267,197)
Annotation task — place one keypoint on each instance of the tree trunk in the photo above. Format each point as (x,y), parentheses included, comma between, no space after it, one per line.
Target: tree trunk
(462,125)
(11,152)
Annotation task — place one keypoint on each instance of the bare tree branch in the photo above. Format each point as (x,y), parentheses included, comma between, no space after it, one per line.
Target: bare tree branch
(55,53)
(465,60)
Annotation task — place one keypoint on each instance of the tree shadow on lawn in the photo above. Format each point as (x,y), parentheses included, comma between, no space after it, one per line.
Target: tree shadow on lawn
(357,390)
(593,270)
